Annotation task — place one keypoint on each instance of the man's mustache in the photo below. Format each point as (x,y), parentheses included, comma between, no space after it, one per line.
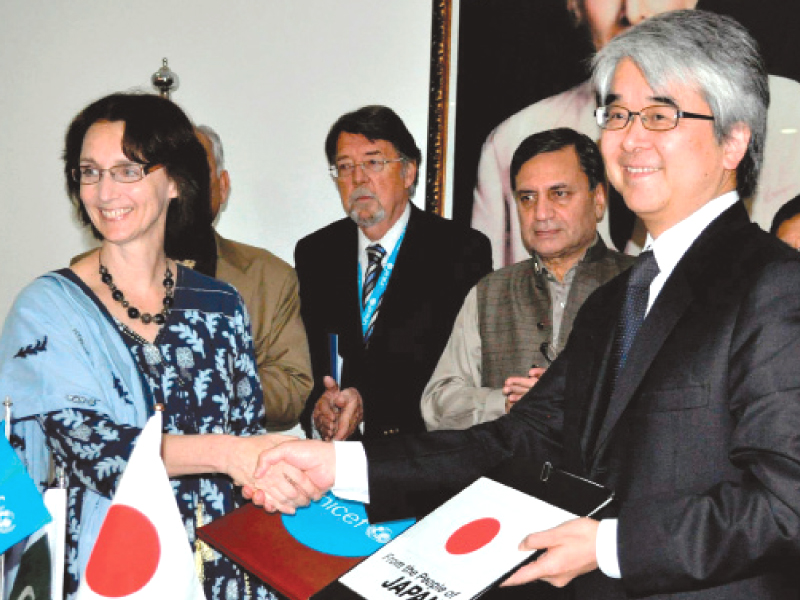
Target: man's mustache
(360,192)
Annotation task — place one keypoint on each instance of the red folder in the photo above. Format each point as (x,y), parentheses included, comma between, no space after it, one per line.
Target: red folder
(259,542)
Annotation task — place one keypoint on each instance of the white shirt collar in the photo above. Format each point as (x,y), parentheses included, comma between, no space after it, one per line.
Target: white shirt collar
(671,245)
(388,241)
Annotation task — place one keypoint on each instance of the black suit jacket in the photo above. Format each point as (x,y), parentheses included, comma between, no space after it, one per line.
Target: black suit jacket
(701,439)
(437,264)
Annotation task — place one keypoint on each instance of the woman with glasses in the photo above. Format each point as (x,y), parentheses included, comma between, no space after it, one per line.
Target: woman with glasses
(88,351)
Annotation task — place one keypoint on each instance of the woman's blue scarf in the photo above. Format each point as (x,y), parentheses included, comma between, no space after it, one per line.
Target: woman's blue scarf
(59,351)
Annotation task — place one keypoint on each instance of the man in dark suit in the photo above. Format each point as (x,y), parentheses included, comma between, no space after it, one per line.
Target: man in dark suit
(692,415)
(387,283)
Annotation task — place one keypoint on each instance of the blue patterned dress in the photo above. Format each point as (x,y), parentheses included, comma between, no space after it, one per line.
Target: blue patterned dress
(201,367)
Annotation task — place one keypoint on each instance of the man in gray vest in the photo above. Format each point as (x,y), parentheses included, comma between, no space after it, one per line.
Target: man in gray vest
(515,320)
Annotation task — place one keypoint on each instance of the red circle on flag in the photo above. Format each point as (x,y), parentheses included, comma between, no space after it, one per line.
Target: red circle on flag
(126,554)
(472,536)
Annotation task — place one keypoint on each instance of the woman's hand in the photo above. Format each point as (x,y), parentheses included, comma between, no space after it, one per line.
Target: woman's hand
(235,456)
(242,458)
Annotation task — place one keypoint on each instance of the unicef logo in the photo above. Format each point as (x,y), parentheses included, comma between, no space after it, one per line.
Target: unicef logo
(379,534)
(340,527)
(6,519)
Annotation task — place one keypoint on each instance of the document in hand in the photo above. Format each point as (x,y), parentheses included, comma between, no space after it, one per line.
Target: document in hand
(470,543)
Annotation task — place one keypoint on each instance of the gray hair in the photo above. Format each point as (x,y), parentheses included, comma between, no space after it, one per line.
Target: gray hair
(216,146)
(710,53)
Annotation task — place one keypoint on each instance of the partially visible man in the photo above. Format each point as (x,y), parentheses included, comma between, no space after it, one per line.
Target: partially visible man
(517,319)
(268,286)
(786,223)
(678,387)
(385,283)
(604,19)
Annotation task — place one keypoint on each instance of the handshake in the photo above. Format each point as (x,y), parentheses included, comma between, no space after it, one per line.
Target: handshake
(279,472)
(290,472)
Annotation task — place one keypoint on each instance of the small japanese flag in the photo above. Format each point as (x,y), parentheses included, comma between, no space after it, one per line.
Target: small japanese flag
(142,551)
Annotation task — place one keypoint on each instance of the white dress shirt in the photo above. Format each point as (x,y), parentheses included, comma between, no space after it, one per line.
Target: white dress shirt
(388,241)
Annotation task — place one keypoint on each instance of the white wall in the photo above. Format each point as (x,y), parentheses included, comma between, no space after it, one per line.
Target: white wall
(270,76)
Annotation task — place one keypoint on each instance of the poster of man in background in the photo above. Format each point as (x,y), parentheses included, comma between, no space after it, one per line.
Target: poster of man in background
(521,69)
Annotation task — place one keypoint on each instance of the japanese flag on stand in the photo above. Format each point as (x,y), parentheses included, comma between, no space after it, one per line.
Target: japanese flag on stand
(142,552)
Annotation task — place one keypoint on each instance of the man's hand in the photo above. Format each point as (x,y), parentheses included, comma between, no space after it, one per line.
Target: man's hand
(516,387)
(242,458)
(337,413)
(351,413)
(571,551)
(326,412)
(293,474)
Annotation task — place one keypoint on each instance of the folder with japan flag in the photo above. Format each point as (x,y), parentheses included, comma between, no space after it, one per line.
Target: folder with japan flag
(470,543)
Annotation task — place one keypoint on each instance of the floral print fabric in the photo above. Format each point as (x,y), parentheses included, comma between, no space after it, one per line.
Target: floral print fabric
(201,367)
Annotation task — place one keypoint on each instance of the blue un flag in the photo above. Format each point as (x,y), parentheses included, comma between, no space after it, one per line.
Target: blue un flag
(22,510)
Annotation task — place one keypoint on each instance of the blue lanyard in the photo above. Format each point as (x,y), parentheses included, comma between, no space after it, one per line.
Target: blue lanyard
(380,287)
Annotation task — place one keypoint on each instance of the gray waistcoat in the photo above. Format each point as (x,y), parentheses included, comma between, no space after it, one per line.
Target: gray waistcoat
(515,315)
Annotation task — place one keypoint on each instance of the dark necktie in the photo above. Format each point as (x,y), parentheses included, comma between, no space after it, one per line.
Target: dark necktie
(630,320)
(643,272)
(375,254)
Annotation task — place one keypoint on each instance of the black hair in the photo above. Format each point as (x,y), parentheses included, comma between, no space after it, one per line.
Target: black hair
(785,212)
(553,140)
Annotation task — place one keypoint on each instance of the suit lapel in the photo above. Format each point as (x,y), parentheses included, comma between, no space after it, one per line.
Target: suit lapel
(694,271)
(670,305)
(593,365)
(351,323)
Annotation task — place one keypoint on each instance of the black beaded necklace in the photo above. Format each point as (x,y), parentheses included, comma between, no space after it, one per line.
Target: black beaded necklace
(133,312)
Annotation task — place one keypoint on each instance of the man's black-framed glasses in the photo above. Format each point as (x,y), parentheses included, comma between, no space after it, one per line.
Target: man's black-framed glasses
(373,165)
(124,173)
(659,117)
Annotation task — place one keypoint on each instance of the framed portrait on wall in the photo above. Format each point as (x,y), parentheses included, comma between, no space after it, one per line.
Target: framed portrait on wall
(510,68)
